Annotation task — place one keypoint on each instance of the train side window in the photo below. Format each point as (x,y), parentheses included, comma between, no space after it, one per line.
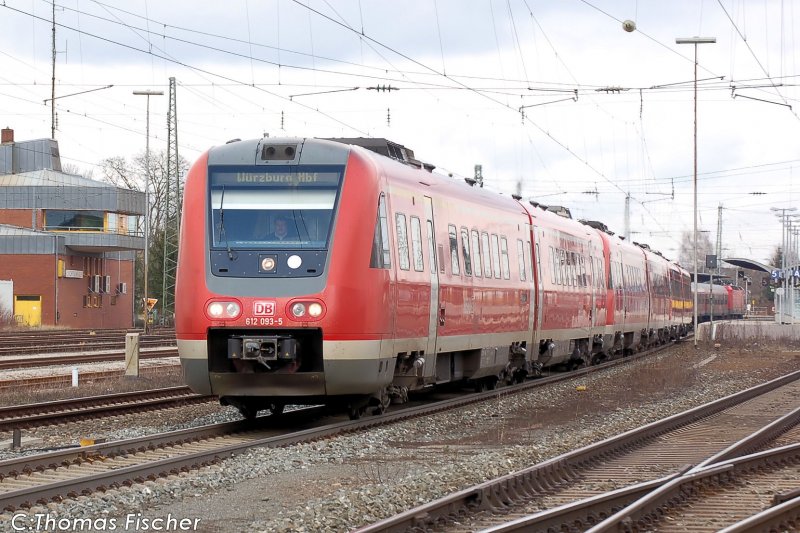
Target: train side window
(495,256)
(521,260)
(557,265)
(416,244)
(504,256)
(487,258)
(454,265)
(381,256)
(402,241)
(465,251)
(529,258)
(585,273)
(476,251)
(431,247)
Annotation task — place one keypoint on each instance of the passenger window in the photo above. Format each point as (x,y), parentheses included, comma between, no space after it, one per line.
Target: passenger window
(381,256)
(521,260)
(476,250)
(431,250)
(487,258)
(416,244)
(465,251)
(504,256)
(402,241)
(495,256)
(529,258)
(455,267)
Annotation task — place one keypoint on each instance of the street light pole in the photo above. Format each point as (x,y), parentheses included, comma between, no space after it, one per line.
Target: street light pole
(148,94)
(784,219)
(695,41)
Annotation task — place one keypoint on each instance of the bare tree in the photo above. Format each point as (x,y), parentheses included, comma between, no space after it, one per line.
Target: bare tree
(686,251)
(117,171)
(131,175)
(76,170)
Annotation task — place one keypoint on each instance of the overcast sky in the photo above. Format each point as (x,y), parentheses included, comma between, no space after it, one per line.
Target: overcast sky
(553,98)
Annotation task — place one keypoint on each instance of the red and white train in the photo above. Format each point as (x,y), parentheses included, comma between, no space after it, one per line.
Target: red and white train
(719,301)
(347,273)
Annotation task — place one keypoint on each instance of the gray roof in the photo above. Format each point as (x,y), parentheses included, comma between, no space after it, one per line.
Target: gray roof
(7,230)
(49,178)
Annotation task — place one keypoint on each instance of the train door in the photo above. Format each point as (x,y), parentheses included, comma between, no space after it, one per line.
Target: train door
(539,284)
(433,314)
(589,258)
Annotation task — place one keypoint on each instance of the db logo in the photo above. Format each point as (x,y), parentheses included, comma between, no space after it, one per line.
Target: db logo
(264,308)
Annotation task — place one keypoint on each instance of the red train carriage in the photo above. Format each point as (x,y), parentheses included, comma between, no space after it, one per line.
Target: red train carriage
(682,301)
(727,301)
(314,271)
(736,303)
(392,278)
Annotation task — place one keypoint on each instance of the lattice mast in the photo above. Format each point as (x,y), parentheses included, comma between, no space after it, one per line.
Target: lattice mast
(172,217)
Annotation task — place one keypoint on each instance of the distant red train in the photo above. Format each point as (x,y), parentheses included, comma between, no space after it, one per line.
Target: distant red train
(727,302)
(321,271)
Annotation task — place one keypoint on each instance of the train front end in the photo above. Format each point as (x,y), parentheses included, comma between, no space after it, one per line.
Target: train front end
(255,282)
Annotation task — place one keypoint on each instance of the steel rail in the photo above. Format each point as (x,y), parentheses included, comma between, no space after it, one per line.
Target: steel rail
(589,512)
(644,511)
(493,493)
(22,363)
(48,461)
(58,411)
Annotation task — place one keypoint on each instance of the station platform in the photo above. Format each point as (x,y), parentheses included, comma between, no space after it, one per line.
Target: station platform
(734,330)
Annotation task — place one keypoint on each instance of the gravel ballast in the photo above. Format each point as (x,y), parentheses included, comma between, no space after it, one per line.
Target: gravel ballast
(345,482)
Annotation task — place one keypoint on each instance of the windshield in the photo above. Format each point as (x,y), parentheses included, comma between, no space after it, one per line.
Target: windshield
(270,208)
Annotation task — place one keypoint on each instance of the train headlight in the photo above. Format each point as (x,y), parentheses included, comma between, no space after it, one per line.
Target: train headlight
(294,262)
(306,310)
(223,310)
(268,264)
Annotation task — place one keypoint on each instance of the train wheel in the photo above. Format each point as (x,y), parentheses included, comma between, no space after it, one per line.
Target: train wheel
(384,400)
(480,386)
(355,412)
(276,408)
(247,410)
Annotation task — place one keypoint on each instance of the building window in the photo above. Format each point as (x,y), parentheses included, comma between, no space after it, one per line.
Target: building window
(69,220)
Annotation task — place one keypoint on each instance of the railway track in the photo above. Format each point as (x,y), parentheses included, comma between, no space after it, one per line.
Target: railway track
(20,363)
(581,488)
(86,375)
(60,411)
(19,343)
(40,478)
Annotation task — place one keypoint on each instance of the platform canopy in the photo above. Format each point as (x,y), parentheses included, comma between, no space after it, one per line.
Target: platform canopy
(749,264)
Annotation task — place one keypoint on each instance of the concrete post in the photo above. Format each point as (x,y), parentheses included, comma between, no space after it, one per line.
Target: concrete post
(132,355)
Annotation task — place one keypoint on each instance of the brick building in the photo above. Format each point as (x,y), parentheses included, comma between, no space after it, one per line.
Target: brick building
(67,243)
